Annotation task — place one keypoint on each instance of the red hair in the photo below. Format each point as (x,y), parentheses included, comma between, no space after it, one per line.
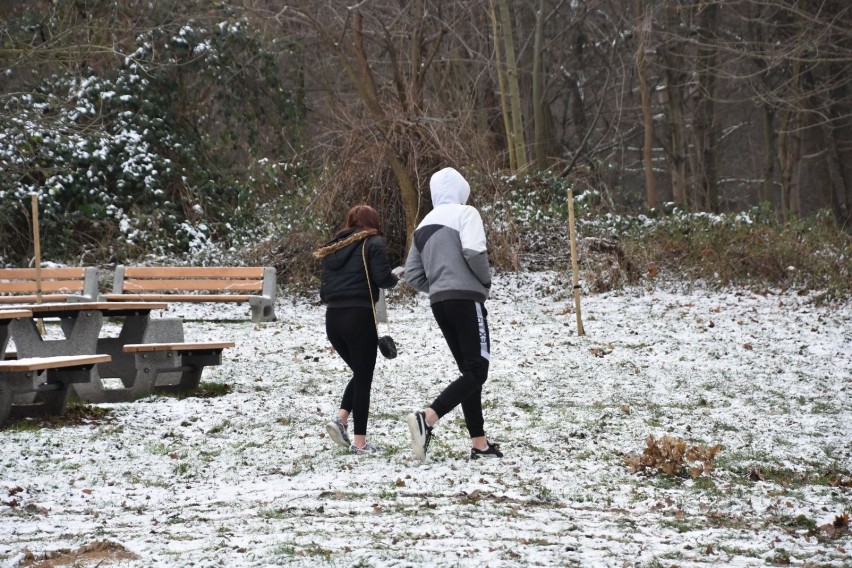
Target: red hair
(362,217)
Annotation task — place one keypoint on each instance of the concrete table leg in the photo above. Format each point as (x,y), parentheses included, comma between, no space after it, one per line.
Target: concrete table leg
(124,366)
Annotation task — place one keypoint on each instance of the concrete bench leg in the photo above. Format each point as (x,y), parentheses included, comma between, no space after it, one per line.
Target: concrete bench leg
(180,372)
(55,392)
(262,310)
(136,384)
(5,401)
(4,338)
(52,389)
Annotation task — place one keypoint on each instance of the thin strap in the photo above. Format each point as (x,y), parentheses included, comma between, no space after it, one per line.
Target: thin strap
(369,287)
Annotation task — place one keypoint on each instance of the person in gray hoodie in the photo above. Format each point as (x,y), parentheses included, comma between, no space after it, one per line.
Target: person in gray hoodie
(448,260)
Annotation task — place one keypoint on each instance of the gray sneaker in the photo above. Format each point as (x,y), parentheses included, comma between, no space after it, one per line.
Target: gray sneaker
(369,448)
(337,432)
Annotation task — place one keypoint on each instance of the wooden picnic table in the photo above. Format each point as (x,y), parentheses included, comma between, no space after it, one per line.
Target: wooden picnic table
(148,355)
(82,334)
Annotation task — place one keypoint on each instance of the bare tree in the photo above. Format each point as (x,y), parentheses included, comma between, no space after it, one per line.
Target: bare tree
(643,17)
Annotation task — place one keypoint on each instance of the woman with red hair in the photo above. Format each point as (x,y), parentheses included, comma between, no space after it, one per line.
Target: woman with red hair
(354,252)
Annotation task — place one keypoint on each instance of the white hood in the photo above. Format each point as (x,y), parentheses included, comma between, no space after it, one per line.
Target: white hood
(448,186)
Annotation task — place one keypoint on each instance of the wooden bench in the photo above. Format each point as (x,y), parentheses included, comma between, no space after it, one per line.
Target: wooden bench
(253,284)
(21,285)
(48,377)
(159,367)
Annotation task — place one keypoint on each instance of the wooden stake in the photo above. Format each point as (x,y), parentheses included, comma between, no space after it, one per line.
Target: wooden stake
(37,246)
(575,276)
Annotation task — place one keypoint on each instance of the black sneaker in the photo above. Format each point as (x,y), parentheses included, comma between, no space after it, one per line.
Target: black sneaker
(421,434)
(493,451)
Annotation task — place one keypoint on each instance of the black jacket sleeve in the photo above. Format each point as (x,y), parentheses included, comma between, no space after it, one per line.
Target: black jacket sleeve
(377,259)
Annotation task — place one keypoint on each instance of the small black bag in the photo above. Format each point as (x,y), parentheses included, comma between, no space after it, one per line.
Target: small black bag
(387,347)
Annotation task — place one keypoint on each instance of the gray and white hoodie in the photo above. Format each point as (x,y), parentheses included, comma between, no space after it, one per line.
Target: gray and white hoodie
(448,258)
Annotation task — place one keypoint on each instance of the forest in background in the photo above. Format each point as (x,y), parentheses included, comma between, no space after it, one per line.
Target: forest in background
(246,128)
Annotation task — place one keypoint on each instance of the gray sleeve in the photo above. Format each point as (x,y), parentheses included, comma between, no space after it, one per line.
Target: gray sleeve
(478,263)
(415,274)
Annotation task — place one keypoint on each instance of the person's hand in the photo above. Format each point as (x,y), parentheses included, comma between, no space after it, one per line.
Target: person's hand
(399,272)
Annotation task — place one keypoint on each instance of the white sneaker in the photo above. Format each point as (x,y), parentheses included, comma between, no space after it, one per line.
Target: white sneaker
(369,448)
(421,434)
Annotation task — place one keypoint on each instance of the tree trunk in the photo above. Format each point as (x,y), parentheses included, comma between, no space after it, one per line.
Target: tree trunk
(789,146)
(768,155)
(706,128)
(647,118)
(517,134)
(673,77)
(501,85)
(540,129)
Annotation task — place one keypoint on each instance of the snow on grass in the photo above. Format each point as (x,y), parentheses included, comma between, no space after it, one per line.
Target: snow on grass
(250,479)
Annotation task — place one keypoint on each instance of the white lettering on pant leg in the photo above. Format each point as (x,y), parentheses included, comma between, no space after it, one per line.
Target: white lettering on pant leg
(483,333)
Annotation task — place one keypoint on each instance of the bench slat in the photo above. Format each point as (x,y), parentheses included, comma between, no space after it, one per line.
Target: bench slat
(12,313)
(213,272)
(42,363)
(241,285)
(146,347)
(31,299)
(64,286)
(176,297)
(68,273)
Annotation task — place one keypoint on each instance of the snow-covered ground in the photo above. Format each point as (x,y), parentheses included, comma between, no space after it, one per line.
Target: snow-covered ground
(250,478)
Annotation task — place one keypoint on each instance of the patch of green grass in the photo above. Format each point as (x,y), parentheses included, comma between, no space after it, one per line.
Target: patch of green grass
(668,481)
(157,448)
(819,474)
(737,551)
(221,426)
(704,482)
(676,525)
(277,513)
(825,407)
(799,522)
(285,549)
(204,390)
(76,414)
(725,427)
(779,558)
(181,468)
(754,252)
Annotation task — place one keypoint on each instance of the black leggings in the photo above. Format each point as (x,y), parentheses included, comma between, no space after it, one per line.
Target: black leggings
(352,332)
(465,327)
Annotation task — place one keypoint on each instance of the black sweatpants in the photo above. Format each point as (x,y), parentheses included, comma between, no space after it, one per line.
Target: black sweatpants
(352,332)
(465,327)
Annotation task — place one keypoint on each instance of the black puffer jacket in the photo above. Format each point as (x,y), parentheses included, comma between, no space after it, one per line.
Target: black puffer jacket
(344,282)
